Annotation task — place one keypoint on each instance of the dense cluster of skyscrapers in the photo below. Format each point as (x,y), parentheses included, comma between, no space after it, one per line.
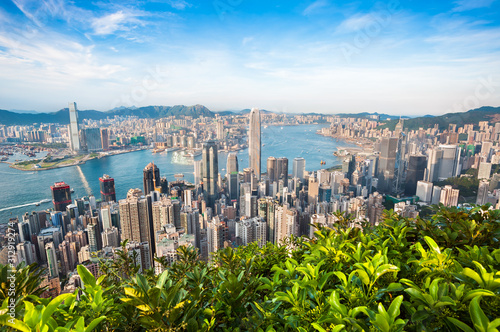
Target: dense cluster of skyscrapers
(251,204)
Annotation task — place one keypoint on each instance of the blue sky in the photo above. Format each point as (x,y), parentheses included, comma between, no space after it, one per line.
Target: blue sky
(396,57)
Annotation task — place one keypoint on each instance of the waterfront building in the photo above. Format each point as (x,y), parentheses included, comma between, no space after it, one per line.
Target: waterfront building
(151,178)
(93,139)
(61,196)
(107,186)
(105,139)
(254,142)
(74,133)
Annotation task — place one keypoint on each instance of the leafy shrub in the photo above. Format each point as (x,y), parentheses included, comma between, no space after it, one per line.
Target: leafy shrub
(435,274)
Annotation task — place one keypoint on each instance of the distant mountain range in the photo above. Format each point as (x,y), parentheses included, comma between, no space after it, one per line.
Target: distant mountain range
(8,118)
(241,112)
(383,117)
(485,113)
(62,116)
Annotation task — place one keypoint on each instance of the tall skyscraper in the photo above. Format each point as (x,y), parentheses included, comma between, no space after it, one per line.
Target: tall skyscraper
(136,218)
(220,130)
(387,164)
(254,143)
(271,169)
(107,185)
(282,170)
(197,172)
(74,134)
(443,162)
(449,196)
(482,192)
(151,178)
(216,234)
(251,230)
(105,139)
(210,170)
(299,167)
(50,250)
(232,176)
(484,171)
(415,173)
(232,163)
(93,139)
(61,196)
(94,235)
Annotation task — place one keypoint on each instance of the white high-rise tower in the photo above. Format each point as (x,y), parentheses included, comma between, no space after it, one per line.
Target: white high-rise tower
(74,133)
(254,150)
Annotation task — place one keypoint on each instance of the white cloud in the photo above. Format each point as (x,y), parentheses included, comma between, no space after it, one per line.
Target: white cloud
(247,40)
(465,5)
(179,4)
(355,23)
(315,7)
(41,12)
(22,6)
(53,57)
(119,21)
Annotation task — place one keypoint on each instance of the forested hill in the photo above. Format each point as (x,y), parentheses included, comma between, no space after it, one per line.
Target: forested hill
(485,113)
(62,116)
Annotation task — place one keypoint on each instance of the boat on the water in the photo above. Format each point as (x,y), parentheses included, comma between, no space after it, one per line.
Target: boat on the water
(158,150)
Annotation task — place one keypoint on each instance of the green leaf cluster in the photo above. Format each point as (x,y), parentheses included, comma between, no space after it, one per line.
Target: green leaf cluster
(435,274)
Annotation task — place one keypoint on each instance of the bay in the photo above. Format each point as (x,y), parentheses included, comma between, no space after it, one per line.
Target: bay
(20,190)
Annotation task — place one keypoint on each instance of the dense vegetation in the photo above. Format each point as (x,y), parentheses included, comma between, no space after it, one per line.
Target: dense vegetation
(467,185)
(437,274)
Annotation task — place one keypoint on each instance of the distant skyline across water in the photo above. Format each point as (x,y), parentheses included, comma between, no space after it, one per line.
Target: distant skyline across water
(20,190)
(394,57)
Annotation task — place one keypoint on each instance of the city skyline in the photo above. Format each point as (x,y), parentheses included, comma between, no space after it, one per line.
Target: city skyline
(308,56)
(402,169)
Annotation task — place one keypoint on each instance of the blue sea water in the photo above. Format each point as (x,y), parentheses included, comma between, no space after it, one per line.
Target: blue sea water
(20,190)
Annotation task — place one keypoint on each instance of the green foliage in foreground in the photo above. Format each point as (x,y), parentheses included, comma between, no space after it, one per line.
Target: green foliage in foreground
(439,274)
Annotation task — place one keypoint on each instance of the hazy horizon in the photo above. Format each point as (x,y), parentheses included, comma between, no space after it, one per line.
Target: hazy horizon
(396,57)
(236,111)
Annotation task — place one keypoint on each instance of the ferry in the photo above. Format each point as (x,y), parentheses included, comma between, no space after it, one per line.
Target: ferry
(193,153)
(158,150)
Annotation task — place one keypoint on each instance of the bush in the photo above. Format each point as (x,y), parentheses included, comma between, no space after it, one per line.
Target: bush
(434,274)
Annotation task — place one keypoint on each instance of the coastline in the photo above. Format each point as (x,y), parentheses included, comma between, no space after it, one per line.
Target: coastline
(364,144)
(83,160)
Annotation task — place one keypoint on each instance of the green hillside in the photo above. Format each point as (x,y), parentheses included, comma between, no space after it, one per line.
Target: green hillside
(486,113)
(437,274)
(62,116)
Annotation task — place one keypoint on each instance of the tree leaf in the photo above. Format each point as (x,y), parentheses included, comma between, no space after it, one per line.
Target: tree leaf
(87,277)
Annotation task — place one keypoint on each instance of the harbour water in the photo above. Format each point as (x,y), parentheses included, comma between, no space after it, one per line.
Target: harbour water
(20,190)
